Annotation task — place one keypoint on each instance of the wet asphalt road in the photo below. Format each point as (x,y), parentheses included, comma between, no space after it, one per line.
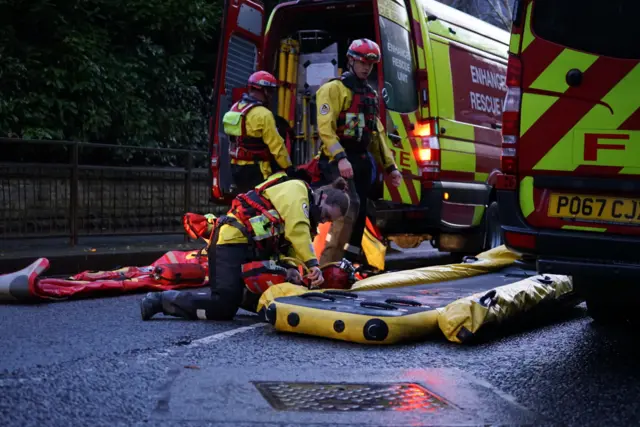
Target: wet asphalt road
(94,362)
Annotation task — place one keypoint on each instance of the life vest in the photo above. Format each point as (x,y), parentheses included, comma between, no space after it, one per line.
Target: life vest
(258,276)
(241,146)
(257,219)
(357,123)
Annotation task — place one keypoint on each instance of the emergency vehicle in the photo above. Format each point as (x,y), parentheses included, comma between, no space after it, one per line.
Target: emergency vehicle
(570,193)
(441,83)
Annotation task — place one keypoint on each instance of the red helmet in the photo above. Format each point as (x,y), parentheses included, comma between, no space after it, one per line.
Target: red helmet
(364,50)
(335,278)
(262,80)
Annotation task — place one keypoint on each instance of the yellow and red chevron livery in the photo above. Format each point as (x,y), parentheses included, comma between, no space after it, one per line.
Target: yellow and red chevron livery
(441,82)
(570,193)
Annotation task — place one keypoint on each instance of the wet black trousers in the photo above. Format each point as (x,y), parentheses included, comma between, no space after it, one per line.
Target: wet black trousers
(359,189)
(227,290)
(246,177)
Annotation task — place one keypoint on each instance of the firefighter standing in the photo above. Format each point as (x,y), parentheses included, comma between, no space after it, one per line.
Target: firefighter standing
(256,149)
(351,132)
(279,216)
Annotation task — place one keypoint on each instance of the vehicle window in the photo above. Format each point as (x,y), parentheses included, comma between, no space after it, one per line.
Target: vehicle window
(400,92)
(607,28)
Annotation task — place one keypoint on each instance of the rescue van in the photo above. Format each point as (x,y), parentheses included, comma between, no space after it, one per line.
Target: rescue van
(570,193)
(441,83)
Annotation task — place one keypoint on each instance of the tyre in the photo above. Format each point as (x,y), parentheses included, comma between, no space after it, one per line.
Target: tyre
(492,234)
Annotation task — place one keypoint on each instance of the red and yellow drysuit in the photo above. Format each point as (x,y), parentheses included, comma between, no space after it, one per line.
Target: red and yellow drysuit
(256,149)
(350,127)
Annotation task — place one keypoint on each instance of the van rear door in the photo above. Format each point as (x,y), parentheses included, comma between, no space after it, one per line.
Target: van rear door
(399,96)
(578,154)
(240,46)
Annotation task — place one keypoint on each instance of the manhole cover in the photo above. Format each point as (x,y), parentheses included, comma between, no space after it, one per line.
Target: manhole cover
(289,396)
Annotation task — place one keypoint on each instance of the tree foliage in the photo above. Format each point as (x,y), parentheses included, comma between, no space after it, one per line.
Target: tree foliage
(134,72)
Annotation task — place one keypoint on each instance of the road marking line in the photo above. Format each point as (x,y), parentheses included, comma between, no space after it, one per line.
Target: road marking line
(222,335)
(199,342)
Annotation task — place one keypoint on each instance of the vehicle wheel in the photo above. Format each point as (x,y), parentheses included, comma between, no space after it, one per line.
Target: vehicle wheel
(492,236)
(604,312)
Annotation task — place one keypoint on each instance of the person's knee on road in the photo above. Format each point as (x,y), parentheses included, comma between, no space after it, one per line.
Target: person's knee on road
(223,300)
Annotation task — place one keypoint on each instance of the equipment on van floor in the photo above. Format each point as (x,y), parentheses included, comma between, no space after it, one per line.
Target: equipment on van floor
(301,75)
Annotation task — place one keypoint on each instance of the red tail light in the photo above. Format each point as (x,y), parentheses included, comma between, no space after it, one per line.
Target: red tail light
(514,71)
(428,153)
(511,117)
(520,240)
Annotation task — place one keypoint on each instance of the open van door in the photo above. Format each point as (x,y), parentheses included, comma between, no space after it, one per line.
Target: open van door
(398,77)
(240,47)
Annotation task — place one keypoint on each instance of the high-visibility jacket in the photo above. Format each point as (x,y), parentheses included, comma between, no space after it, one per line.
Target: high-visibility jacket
(278,216)
(254,137)
(345,114)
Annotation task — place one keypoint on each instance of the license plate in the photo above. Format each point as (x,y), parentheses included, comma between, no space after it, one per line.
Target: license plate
(595,208)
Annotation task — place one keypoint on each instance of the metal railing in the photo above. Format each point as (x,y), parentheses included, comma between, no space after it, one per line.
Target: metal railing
(78,189)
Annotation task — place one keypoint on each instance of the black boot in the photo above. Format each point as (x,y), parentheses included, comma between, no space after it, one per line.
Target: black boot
(150,305)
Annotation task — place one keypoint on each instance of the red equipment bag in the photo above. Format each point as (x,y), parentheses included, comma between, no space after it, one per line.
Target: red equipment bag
(335,277)
(171,274)
(258,276)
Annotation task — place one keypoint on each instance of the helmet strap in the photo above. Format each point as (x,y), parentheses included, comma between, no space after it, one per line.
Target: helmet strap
(350,62)
(263,98)
(350,66)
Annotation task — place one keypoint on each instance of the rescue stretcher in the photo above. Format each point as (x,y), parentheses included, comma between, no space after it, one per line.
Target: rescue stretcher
(459,300)
(173,270)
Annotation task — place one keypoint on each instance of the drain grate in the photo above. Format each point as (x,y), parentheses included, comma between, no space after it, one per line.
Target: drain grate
(290,396)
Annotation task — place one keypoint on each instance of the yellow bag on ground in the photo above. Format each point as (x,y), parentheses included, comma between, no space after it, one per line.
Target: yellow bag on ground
(374,250)
(492,260)
(462,319)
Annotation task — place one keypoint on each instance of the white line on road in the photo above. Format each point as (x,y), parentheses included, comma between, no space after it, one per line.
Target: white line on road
(222,335)
(200,342)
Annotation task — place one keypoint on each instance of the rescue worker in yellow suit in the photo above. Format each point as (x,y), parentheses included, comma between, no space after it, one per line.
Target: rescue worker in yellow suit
(353,137)
(277,218)
(256,149)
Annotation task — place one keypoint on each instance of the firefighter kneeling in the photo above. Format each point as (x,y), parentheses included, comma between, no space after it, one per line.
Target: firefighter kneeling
(271,222)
